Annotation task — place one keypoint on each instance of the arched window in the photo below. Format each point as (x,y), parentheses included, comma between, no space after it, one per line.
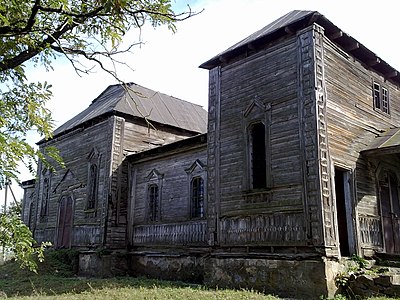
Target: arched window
(153,198)
(92,187)
(197,197)
(45,197)
(258,156)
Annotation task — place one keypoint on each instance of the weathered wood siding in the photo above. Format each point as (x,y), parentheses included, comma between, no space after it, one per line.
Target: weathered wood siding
(271,77)
(353,123)
(28,203)
(75,148)
(264,86)
(131,136)
(171,172)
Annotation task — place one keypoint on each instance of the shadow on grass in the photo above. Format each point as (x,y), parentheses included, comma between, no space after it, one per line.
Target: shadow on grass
(57,275)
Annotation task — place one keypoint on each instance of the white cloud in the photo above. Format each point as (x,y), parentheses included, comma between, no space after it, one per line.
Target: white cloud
(169,62)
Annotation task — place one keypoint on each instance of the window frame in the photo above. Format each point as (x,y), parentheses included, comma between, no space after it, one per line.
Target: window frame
(154,178)
(381,98)
(197,198)
(45,195)
(93,186)
(93,180)
(263,184)
(44,207)
(153,202)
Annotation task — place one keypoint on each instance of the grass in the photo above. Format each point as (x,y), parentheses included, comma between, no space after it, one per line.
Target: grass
(50,287)
(56,280)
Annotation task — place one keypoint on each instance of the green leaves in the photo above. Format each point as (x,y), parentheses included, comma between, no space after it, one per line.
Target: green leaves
(22,109)
(38,31)
(16,238)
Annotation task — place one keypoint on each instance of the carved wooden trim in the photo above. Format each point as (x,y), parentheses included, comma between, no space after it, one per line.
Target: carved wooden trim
(328,207)
(171,234)
(370,229)
(275,229)
(213,155)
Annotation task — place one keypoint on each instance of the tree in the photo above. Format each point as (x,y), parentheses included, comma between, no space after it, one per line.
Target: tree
(35,33)
(16,238)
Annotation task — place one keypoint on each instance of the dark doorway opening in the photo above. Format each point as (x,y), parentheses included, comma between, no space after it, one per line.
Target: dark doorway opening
(258,156)
(390,211)
(344,208)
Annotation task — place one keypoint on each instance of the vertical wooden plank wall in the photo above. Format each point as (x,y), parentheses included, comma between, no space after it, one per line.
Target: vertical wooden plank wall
(213,154)
(75,147)
(352,125)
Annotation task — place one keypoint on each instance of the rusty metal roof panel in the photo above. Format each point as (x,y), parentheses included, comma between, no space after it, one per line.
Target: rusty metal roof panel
(386,143)
(138,101)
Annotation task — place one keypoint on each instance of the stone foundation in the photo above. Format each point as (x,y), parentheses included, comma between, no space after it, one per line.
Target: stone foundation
(95,264)
(168,267)
(305,279)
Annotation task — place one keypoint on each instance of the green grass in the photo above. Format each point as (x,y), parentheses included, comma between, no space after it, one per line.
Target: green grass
(56,280)
(54,287)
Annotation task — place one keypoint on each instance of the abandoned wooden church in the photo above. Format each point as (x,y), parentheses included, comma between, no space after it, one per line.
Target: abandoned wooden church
(295,165)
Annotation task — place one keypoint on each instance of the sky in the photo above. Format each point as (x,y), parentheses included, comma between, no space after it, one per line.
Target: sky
(168,62)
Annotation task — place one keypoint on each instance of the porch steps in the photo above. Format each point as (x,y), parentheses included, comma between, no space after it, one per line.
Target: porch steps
(378,279)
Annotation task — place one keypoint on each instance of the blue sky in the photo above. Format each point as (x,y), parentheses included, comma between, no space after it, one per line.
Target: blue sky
(169,62)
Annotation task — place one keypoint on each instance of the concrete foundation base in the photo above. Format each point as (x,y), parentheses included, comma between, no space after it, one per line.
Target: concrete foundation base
(183,268)
(93,264)
(305,279)
(301,279)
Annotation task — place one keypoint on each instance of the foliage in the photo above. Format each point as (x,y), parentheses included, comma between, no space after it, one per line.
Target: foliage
(50,283)
(60,262)
(36,32)
(337,297)
(17,283)
(361,261)
(16,238)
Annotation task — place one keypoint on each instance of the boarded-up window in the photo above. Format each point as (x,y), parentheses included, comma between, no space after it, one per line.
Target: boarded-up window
(153,197)
(92,187)
(258,159)
(381,98)
(197,195)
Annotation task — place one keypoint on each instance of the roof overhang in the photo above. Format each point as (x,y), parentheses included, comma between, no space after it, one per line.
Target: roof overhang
(291,23)
(385,144)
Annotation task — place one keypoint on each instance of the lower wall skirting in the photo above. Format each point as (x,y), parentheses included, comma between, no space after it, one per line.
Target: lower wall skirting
(299,278)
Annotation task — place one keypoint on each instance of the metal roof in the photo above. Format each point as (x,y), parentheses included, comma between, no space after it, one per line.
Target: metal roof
(138,101)
(385,143)
(199,140)
(294,21)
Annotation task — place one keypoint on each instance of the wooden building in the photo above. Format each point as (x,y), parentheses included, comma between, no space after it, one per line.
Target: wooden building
(299,167)
(85,204)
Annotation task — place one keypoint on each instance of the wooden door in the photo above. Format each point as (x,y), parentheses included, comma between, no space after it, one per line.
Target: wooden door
(64,222)
(390,212)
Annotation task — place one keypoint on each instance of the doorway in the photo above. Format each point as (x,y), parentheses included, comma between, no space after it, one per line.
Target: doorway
(64,222)
(344,211)
(390,212)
